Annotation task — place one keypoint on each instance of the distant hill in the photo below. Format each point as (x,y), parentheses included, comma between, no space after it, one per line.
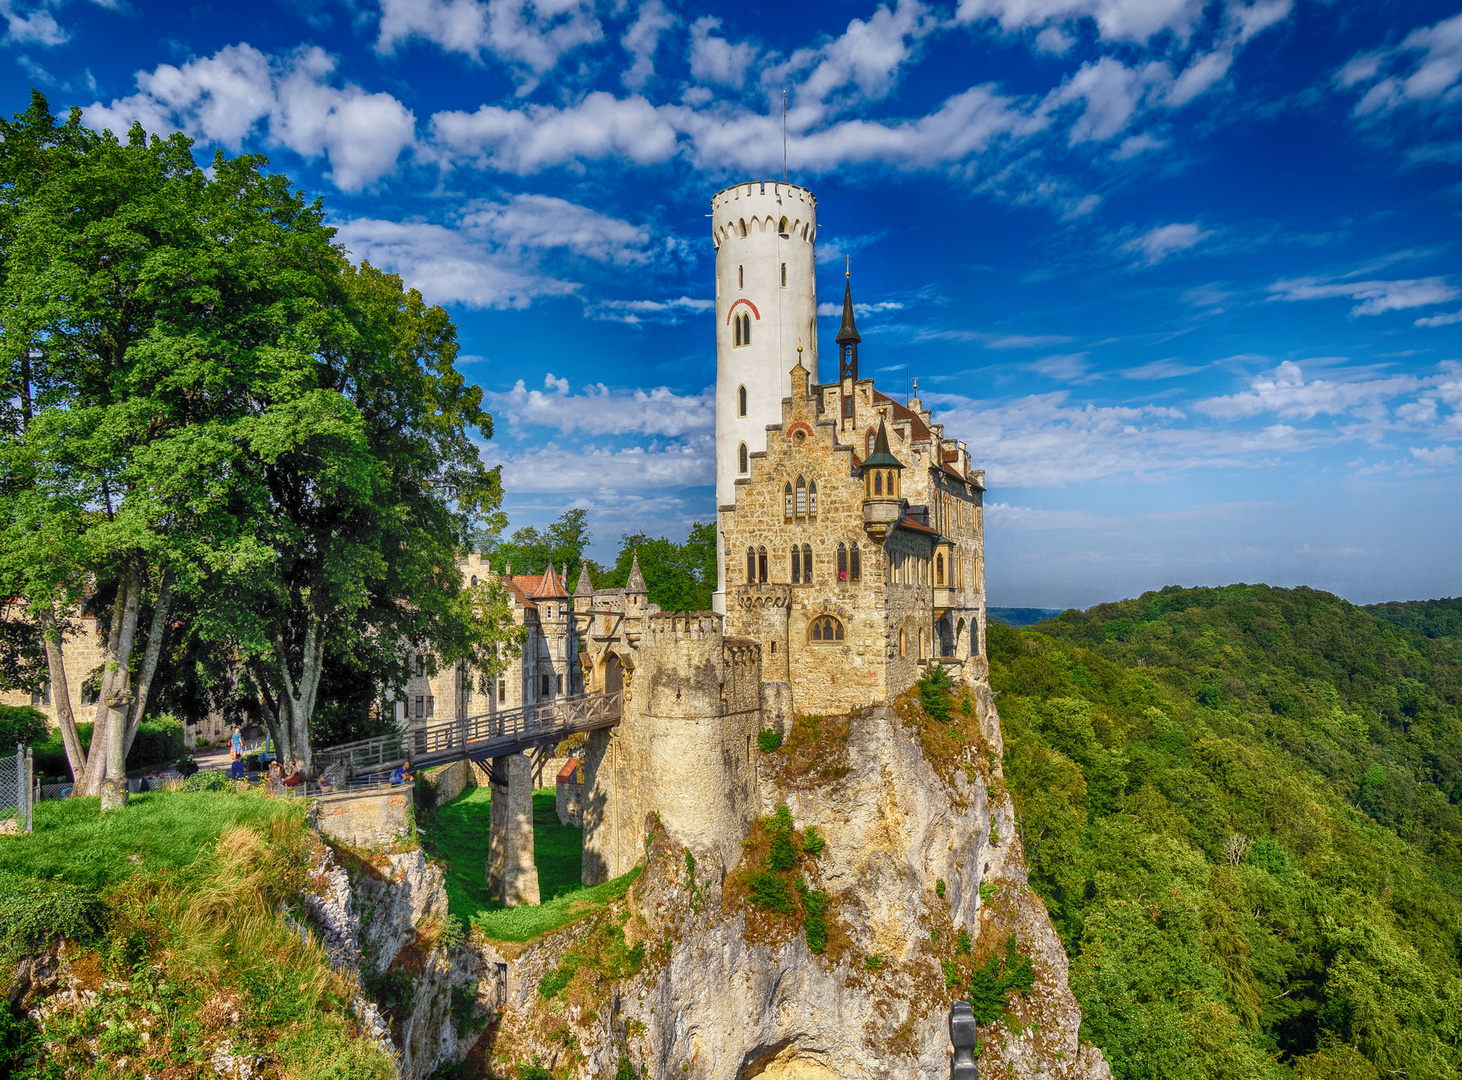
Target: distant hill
(1431,618)
(1241,807)
(1022,616)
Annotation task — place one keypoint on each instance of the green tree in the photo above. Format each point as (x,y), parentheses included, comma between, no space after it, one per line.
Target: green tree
(679,577)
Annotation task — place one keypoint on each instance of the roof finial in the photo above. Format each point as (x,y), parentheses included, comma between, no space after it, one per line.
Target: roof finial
(847,266)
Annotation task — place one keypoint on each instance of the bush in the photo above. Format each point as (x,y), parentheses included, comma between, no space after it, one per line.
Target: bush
(935,691)
(454,932)
(157,741)
(815,923)
(34,915)
(20,724)
(1003,976)
(781,856)
(769,740)
(939,888)
(206,781)
(812,841)
(770,891)
(186,766)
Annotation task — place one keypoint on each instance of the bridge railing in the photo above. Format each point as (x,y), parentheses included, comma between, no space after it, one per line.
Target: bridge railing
(488,734)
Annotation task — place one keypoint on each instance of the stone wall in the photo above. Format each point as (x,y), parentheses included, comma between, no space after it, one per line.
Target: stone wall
(81,653)
(451,780)
(370,819)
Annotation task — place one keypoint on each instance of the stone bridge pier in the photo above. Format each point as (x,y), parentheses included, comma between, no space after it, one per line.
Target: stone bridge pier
(512,875)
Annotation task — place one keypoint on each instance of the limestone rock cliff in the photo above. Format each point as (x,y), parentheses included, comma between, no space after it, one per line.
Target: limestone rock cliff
(690,979)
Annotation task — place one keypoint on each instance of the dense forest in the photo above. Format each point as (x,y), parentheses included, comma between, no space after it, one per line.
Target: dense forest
(1240,806)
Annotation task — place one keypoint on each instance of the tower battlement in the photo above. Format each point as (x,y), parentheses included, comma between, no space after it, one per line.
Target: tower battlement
(665,627)
(764,207)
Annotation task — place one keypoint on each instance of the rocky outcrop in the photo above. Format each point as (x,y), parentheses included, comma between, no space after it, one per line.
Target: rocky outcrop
(383,921)
(920,845)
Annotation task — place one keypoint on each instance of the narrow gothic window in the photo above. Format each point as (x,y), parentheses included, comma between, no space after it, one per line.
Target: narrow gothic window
(746,329)
(903,643)
(796,566)
(736,330)
(868,439)
(801,498)
(847,406)
(806,564)
(750,567)
(812,499)
(842,562)
(545,686)
(742,457)
(741,401)
(559,683)
(855,565)
(784,275)
(939,570)
(877,482)
(761,564)
(787,498)
(502,690)
(826,630)
(740,271)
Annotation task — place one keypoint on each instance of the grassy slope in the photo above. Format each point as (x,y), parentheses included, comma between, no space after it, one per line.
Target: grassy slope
(193,951)
(1238,804)
(457,833)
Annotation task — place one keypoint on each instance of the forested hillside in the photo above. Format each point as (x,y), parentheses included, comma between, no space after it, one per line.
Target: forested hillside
(1240,806)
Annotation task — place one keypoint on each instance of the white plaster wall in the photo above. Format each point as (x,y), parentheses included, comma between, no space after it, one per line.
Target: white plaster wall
(784,315)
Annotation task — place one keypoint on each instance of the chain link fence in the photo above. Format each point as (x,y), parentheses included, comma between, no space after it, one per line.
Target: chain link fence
(17,789)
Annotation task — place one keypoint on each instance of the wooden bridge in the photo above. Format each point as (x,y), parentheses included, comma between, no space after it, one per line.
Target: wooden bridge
(477,738)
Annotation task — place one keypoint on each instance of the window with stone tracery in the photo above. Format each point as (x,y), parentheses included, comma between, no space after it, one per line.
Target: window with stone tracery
(855,565)
(812,499)
(806,564)
(801,498)
(796,565)
(826,630)
(761,565)
(750,572)
(842,562)
(787,503)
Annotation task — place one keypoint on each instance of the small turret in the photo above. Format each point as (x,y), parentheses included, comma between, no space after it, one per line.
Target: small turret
(881,498)
(635,586)
(585,587)
(800,376)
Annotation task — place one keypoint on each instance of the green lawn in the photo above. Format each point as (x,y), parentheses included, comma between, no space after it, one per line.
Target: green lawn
(457,834)
(74,842)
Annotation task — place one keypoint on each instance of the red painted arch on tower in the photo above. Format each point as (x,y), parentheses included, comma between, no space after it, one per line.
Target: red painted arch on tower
(738,303)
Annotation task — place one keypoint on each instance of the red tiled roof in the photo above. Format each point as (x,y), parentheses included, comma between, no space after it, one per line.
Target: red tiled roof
(521,586)
(569,773)
(902,413)
(549,587)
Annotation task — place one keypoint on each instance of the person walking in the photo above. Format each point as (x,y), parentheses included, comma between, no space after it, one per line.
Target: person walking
(236,744)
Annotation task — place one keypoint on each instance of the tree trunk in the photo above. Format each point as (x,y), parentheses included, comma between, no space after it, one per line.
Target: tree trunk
(155,634)
(129,597)
(297,696)
(114,791)
(61,694)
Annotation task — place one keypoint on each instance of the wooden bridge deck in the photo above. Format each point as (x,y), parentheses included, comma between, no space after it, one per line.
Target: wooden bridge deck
(478,738)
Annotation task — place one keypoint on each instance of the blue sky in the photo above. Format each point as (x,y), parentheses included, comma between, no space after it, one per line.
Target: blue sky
(1183,274)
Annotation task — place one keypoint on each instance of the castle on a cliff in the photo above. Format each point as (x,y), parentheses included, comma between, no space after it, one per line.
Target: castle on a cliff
(851,537)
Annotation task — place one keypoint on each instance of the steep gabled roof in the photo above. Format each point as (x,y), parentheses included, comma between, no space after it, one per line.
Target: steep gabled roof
(918,429)
(550,587)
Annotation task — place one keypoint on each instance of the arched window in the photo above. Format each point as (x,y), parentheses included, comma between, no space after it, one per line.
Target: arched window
(801,498)
(761,565)
(796,565)
(736,331)
(869,437)
(806,564)
(923,644)
(812,499)
(826,630)
(787,500)
(855,564)
(842,562)
(939,569)
(743,459)
(746,329)
(877,482)
(750,566)
(782,228)
(903,643)
(741,401)
(474,581)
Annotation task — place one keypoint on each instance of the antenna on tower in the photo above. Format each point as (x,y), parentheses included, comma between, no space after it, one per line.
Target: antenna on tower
(784,134)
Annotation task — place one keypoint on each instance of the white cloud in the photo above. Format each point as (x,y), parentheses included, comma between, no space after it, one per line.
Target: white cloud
(531,34)
(1375,296)
(1436,456)
(1110,92)
(1201,73)
(635,312)
(1287,394)
(716,60)
(1055,41)
(867,56)
(1067,367)
(36,27)
(1116,20)
(222,99)
(830,309)
(1169,368)
(597,410)
(542,222)
(1133,145)
(1424,70)
(1441,320)
(1157,244)
(598,127)
(1253,19)
(642,40)
(447,265)
(573,471)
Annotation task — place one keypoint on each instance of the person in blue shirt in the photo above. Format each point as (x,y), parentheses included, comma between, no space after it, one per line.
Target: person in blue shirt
(236,744)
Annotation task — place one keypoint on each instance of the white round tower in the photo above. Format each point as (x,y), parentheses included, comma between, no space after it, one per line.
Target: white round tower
(765,234)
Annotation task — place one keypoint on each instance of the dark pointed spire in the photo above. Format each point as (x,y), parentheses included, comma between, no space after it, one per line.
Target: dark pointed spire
(848,335)
(636,582)
(585,587)
(882,457)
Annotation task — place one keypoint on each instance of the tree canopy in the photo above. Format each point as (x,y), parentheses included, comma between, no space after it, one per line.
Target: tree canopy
(1240,805)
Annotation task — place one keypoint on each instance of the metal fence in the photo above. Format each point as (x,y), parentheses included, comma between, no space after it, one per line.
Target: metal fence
(17,788)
